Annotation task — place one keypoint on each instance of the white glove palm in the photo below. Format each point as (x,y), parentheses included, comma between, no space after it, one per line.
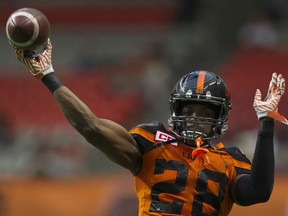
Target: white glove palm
(39,65)
(269,106)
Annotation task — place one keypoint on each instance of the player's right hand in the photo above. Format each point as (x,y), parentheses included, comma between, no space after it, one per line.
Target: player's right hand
(40,64)
(269,106)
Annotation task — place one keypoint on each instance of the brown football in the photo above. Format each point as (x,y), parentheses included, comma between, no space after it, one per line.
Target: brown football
(27,28)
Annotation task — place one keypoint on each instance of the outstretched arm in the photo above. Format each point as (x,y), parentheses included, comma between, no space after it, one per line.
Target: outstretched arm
(257,187)
(109,137)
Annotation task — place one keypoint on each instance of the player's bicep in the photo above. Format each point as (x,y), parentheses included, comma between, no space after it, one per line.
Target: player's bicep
(115,142)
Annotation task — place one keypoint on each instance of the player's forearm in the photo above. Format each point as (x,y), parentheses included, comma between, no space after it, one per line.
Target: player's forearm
(263,164)
(76,112)
(257,187)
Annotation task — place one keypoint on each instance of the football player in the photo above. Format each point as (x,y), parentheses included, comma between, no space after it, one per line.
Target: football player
(183,169)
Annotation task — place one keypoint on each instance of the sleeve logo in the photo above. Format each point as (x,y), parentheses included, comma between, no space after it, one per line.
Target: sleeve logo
(163,137)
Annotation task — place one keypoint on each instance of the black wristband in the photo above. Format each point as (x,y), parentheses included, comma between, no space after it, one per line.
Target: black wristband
(52,82)
(266,125)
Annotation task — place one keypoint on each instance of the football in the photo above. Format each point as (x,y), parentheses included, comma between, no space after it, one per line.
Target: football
(27,29)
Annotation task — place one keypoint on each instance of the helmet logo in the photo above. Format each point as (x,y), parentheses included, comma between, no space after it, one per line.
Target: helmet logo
(189,93)
(208,94)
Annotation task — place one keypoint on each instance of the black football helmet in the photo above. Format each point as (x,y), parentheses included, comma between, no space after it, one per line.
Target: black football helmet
(205,88)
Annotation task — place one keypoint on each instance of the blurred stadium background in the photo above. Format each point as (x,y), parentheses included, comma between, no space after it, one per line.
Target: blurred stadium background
(122,58)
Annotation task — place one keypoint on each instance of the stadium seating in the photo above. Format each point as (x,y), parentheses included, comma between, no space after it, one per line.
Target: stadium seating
(102,14)
(28,102)
(245,71)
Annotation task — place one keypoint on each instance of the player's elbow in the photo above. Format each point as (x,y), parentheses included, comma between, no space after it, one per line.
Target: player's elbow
(259,197)
(245,192)
(263,196)
(91,133)
(88,129)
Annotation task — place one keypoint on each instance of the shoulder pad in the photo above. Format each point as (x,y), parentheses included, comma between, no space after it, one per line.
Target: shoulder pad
(151,127)
(237,154)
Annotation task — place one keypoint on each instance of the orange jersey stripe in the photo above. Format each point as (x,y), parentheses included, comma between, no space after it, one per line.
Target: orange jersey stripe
(149,136)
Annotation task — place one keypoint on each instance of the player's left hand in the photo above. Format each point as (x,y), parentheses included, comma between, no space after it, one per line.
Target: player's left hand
(269,106)
(40,64)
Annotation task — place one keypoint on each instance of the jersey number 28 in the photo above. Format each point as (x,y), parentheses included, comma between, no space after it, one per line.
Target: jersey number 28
(180,183)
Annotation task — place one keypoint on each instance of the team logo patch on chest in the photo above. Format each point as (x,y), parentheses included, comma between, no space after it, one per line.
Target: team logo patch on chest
(164,137)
